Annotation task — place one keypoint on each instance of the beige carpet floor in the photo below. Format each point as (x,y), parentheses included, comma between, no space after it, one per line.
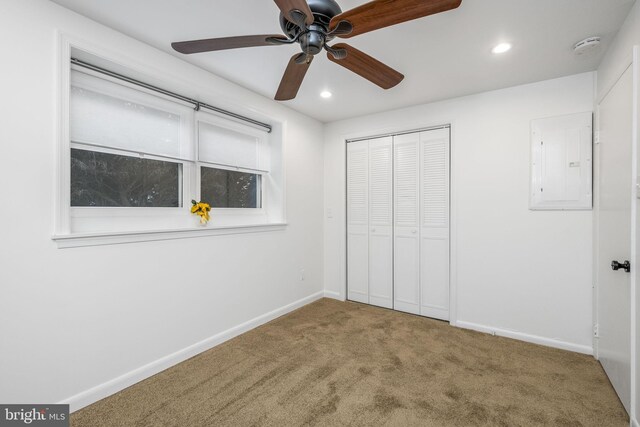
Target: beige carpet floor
(335,363)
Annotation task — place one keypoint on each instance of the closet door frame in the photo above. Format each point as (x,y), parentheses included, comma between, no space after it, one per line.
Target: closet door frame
(348,138)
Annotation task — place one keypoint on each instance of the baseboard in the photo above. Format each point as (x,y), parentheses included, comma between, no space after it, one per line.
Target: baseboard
(535,339)
(333,295)
(115,385)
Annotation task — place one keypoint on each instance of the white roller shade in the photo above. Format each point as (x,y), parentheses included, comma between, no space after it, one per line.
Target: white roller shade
(230,144)
(116,116)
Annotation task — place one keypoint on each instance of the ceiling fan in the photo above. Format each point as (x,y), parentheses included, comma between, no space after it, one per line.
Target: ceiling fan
(314,23)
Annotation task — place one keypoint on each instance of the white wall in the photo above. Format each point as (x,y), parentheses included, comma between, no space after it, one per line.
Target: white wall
(521,273)
(73,319)
(616,60)
(619,54)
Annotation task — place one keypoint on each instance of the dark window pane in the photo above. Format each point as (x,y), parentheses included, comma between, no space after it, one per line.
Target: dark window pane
(101,179)
(229,189)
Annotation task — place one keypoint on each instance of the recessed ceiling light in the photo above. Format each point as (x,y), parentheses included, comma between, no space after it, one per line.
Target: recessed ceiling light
(326,94)
(501,48)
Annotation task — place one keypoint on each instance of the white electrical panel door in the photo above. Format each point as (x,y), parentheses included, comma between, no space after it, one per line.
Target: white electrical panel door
(358,221)
(381,222)
(561,162)
(406,284)
(434,223)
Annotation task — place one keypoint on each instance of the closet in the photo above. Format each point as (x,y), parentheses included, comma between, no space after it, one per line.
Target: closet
(398,222)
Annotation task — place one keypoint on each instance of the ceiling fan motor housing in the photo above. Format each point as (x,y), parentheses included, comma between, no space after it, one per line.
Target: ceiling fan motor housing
(315,37)
(313,41)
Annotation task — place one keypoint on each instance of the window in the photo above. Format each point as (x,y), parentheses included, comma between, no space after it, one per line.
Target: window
(232,160)
(129,148)
(229,189)
(137,158)
(103,179)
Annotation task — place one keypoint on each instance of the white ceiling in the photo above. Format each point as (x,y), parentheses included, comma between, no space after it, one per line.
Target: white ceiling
(442,56)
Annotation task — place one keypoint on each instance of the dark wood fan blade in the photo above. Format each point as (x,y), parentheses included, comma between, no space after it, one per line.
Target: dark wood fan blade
(208,45)
(287,6)
(365,66)
(293,76)
(383,13)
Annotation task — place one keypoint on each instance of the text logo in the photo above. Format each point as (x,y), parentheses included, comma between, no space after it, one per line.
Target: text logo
(34,415)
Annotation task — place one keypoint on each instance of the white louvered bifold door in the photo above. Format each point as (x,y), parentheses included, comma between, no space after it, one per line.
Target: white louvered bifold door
(406,284)
(381,222)
(434,221)
(358,221)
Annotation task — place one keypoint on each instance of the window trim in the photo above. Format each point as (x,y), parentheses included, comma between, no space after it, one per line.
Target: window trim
(61,216)
(77,240)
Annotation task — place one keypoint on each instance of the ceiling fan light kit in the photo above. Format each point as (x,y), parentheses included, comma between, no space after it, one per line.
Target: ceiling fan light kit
(315,23)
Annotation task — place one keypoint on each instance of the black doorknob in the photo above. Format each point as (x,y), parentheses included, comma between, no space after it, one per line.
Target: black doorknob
(615,265)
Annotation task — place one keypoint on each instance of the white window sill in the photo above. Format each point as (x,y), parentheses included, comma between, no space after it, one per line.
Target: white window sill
(116,238)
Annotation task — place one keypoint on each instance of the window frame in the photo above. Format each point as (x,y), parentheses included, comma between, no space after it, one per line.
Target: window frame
(214,120)
(93,81)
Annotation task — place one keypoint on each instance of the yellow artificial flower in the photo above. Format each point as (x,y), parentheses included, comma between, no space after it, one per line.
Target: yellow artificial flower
(202,210)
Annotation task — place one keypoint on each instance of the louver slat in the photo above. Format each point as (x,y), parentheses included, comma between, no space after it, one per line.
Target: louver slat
(380,185)
(357,185)
(406,184)
(434,184)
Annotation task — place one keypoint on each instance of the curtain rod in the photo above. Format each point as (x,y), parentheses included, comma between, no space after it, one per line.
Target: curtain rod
(196,104)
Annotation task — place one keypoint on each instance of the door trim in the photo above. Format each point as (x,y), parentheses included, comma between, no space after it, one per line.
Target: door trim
(632,62)
(634,233)
(596,201)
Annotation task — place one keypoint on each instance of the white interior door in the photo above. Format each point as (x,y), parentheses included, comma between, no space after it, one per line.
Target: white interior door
(406,284)
(614,234)
(358,221)
(381,222)
(434,232)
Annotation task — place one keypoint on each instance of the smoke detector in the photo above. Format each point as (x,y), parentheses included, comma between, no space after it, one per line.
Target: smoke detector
(587,46)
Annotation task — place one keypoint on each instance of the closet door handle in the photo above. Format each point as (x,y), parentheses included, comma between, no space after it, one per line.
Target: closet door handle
(414,231)
(373,230)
